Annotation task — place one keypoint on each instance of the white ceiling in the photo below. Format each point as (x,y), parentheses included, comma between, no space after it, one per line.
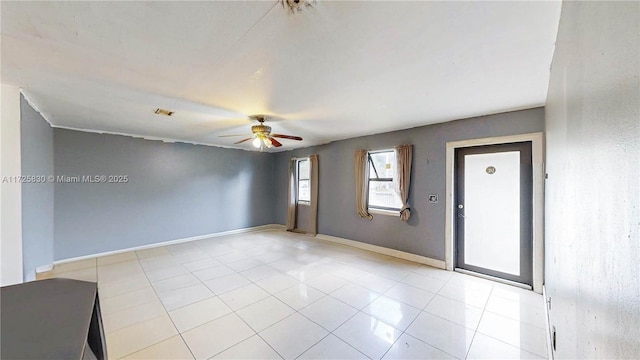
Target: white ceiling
(338,70)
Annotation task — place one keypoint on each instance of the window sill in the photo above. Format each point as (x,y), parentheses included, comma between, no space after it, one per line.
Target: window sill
(384,212)
(305,203)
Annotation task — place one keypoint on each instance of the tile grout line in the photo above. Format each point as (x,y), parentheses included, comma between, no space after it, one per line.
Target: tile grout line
(484,309)
(332,332)
(166,313)
(364,268)
(166,310)
(286,317)
(272,295)
(217,296)
(411,323)
(256,333)
(492,337)
(422,310)
(402,332)
(296,311)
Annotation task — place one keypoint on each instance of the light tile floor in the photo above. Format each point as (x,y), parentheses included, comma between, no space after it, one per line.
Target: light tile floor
(274,295)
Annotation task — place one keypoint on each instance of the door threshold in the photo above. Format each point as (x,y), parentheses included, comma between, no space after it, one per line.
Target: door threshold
(493,278)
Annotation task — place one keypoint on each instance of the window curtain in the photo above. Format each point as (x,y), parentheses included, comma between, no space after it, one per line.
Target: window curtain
(361,183)
(404,154)
(313,205)
(291,197)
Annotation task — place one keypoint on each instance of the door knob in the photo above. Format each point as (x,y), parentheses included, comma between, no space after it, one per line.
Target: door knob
(460,206)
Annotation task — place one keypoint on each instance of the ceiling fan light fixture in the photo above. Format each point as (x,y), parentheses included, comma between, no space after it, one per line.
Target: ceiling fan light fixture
(297,6)
(262,136)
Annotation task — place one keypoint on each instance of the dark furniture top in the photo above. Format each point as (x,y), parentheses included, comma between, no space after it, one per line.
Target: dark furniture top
(47,319)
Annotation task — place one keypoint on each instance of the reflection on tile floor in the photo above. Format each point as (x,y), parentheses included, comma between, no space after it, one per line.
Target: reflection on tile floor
(273,294)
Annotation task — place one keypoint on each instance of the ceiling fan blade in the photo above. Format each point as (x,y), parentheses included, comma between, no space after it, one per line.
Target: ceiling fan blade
(275,142)
(290,137)
(243,140)
(234,135)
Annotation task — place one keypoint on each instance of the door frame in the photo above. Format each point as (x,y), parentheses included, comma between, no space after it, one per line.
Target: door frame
(537,163)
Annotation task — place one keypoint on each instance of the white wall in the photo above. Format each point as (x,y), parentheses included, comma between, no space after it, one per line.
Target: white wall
(10,193)
(593,189)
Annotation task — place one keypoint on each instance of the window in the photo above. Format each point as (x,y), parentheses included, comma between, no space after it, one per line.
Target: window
(304,175)
(383,182)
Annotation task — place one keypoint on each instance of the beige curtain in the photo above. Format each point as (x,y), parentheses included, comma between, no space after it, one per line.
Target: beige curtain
(313,205)
(291,196)
(404,154)
(361,183)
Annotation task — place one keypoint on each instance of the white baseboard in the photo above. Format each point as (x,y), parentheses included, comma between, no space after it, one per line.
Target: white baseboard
(46,268)
(550,354)
(357,244)
(383,250)
(39,270)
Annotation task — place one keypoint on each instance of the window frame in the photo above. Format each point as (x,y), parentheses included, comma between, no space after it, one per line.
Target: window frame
(382,210)
(298,178)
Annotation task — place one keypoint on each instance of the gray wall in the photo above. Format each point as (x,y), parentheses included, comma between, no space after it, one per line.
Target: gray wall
(423,234)
(37,198)
(592,194)
(174,191)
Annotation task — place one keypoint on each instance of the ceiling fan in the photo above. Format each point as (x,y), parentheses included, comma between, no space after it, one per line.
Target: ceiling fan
(262,136)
